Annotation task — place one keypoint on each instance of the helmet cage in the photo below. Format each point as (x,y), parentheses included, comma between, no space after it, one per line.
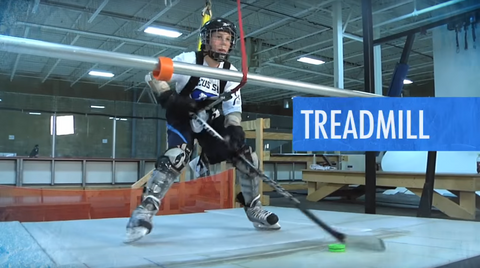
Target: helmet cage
(217,25)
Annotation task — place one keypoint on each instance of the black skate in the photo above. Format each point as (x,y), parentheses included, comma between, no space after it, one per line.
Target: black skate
(262,219)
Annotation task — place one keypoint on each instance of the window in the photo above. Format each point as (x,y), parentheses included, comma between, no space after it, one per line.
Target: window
(64,126)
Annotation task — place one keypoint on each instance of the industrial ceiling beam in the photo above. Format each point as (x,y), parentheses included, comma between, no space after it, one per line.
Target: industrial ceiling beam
(99,9)
(156,17)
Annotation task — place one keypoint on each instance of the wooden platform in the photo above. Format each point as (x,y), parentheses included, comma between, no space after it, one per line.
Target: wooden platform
(323,183)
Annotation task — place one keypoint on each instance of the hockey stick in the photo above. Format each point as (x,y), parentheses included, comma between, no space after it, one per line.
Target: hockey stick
(222,97)
(363,241)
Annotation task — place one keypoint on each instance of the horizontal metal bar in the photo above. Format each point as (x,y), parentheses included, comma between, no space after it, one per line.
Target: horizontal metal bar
(76,53)
(52,50)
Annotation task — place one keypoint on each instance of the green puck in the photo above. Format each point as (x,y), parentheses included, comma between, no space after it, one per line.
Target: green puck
(336,248)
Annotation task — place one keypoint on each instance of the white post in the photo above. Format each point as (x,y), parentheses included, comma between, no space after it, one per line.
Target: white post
(54,133)
(377,66)
(114,138)
(338,45)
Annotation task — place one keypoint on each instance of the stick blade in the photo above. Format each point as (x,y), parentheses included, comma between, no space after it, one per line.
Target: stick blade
(365,242)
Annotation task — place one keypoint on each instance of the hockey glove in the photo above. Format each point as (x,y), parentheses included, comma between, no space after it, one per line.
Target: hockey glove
(177,105)
(236,137)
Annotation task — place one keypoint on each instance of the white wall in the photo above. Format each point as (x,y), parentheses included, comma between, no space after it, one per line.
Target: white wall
(456,74)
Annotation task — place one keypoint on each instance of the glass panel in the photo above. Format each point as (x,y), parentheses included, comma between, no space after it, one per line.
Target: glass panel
(25,122)
(99,136)
(149,132)
(124,127)
(22,131)
(93,129)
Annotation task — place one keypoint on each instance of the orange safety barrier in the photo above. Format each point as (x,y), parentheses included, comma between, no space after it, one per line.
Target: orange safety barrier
(33,204)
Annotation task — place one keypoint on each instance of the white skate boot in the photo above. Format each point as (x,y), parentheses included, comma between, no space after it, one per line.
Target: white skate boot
(140,223)
(249,196)
(167,169)
(262,219)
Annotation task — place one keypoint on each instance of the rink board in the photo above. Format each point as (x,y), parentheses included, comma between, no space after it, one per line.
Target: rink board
(225,238)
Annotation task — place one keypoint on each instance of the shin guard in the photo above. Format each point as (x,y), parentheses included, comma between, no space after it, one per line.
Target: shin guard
(248,179)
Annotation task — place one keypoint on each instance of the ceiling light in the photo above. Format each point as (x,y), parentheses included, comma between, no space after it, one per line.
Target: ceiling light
(311,61)
(34,113)
(97,107)
(162,32)
(102,74)
(407,82)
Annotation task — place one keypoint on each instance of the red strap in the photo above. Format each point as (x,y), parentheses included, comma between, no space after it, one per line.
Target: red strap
(243,50)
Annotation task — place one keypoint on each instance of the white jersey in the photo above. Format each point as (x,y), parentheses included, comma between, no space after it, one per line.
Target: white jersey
(207,87)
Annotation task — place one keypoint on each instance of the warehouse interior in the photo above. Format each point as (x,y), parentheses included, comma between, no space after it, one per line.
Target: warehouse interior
(80,125)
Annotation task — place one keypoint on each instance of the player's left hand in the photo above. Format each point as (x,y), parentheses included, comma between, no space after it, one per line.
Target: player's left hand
(236,137)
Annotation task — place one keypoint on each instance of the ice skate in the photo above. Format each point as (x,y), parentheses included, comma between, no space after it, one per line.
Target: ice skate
(262,219)
(167,169)
(140,223)
(249,196)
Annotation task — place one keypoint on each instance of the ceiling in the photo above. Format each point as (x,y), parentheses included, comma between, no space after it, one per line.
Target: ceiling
(282,31)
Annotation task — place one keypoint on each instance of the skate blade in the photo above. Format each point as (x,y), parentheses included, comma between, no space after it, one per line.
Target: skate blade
(365,242)
(135,234)
(262,227)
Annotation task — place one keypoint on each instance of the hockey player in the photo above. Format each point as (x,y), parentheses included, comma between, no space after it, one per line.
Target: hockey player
(192,94)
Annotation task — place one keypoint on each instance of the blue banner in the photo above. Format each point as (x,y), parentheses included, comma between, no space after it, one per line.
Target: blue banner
(386,124)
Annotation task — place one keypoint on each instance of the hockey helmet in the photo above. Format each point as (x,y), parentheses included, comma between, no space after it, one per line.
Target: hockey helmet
(213,25)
